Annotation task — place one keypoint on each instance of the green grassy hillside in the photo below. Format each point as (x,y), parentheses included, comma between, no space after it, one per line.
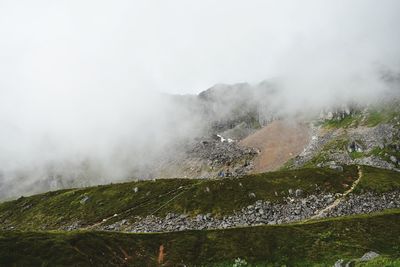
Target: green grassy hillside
(91,205)
(372,116)
(313,243)
(309,244)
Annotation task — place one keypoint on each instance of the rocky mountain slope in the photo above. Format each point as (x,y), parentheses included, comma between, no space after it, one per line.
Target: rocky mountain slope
(265,190)
(367,137)
(280,207)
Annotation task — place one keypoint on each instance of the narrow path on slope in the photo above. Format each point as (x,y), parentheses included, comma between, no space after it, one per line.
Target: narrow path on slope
(324,211)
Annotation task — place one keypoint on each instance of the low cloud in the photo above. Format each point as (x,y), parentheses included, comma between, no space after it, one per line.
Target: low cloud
(93,92)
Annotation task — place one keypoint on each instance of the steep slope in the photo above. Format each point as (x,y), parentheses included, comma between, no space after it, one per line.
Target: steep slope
(181,204)
(88,206)
(174,206)
(278,142)
(370,136)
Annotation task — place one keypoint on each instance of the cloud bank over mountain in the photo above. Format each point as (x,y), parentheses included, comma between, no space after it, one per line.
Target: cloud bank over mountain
(83,84)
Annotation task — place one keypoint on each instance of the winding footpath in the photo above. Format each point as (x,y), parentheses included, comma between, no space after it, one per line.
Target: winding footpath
(322,213)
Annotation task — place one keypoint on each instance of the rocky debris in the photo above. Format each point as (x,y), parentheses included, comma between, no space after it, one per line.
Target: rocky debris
(375,162)
(71,227)
(363,140)
(252,195)
(365,203)
(118,225)
(84,199)
(379,136)
(220,152)
(317,142)
(26,206)
(224,155)
(332,165)
(354,146)
(339,263)
(291,209)
(240,131)
(223,139)
(298,192)
(369,256)
(343,263)
(366,257)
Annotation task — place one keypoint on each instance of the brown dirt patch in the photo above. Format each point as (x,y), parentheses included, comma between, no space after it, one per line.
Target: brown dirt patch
(278,142)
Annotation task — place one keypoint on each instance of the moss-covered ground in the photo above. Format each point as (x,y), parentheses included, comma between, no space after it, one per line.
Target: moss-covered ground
(309,244)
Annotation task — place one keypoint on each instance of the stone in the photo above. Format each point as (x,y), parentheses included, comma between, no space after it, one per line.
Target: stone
(336,168)
(84,199)
(136,189)
(298,192)
(393,159)
(339,263)
(252,195)
(369,256)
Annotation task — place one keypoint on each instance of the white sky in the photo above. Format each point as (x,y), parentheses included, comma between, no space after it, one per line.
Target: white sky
(182,46)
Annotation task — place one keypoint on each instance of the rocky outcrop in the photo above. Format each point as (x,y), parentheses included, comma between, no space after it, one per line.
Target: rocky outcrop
(359,146)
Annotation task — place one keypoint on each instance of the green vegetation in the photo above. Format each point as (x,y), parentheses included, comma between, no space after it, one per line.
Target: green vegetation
(379,261)
(378,180)
(389,113)
(352,120)
(91,205)
(304,244)
(386,152)
(356,155)
(386,114)
(313,243)
(323,155)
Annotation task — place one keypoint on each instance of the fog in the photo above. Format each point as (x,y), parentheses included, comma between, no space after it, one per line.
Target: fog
(85,86)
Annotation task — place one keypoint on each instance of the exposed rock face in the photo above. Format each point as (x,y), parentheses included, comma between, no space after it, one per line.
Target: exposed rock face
(292,209)
(338,113)
(354,146)
(362,140)
(375,162)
